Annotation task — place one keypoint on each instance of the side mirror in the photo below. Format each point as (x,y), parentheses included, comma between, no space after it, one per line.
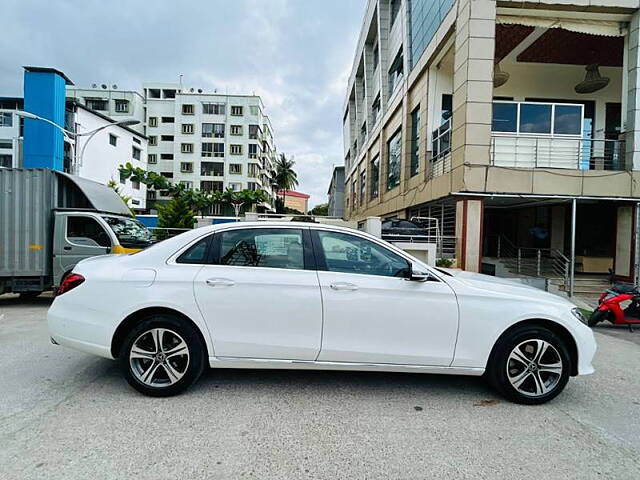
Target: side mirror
(417,276)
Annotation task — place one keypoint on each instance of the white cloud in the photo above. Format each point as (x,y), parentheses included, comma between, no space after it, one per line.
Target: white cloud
(295,54)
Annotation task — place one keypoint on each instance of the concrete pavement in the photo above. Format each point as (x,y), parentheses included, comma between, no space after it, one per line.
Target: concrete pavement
(66,415)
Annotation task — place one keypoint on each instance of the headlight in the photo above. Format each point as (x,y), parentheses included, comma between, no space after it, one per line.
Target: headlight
(578,314)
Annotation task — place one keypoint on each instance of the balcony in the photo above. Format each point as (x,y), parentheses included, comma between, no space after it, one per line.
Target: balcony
(550,135)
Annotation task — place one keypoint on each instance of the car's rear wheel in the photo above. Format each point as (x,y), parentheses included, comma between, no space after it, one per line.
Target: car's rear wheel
(530,365)
(162,356)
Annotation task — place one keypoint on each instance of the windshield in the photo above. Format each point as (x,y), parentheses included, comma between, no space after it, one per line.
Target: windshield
(131,233)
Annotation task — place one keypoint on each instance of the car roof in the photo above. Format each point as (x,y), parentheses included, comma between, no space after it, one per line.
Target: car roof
(275,224)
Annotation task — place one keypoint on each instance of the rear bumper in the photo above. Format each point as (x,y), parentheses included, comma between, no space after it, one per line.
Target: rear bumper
(79,328)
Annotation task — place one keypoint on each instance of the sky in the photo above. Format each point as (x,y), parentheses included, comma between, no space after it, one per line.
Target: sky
(295,54)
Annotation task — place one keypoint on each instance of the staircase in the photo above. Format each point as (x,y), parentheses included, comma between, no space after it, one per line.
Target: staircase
(548,263)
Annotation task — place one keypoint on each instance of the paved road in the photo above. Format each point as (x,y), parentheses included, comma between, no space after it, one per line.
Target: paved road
(66,415)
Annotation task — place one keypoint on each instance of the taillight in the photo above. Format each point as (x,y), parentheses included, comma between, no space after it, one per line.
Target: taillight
(70,282)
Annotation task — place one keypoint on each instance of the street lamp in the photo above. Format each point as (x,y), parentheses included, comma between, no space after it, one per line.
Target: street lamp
(72,137)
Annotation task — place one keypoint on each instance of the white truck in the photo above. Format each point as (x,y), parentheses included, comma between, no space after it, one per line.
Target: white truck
(50,220)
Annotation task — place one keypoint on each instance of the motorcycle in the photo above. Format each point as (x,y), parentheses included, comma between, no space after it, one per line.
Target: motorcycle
(610,306)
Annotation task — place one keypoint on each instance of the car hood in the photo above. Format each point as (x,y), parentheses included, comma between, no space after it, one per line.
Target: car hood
(504,286)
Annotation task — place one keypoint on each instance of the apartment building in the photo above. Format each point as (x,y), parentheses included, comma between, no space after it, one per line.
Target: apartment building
(336,193)
(510,128)
(112,102)
(11,132)
(209,141)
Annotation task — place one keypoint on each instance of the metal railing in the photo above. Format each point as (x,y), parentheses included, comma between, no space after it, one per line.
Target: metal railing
(526,151)
(532,261)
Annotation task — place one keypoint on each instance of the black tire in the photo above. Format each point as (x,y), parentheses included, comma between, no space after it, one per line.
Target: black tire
(596,317)
(190,366)
(500,366)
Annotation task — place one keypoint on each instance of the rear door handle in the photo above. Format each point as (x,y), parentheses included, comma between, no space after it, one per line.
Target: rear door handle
(344,286)
(66,248)
(220,282)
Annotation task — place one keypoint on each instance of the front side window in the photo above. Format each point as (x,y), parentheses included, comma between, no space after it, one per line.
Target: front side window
(347,253)
(87,232)
(268,248)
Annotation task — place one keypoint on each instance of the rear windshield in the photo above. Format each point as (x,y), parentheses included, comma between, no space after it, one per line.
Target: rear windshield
(131,233)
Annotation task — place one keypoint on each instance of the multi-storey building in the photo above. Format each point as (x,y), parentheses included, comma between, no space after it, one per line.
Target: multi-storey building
(11,134)
(511,128)
(209,141)
(116,104)
(336,193)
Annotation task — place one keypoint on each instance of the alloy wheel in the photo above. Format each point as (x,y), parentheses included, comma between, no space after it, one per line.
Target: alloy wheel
(159,357)
(534,367)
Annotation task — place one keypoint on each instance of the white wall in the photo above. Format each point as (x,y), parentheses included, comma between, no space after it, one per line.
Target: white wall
(101,159)
(11,134)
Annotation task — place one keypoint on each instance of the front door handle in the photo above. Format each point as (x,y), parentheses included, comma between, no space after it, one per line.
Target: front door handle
(344,286)
(220,282)
(66,248)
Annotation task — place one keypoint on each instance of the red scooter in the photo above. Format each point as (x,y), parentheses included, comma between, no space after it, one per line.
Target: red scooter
(610,308)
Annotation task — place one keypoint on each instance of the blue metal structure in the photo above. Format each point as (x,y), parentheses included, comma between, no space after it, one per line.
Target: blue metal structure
(44,95)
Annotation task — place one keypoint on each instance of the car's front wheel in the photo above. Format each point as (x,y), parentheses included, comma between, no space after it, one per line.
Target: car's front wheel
(162,356)
(530,365)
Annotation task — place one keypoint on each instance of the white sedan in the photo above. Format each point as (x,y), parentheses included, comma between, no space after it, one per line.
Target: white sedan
(310,296)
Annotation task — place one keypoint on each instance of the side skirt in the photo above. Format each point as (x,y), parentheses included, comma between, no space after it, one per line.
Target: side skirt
(233,362)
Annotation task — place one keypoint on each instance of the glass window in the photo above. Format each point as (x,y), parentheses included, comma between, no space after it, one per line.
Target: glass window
(113,140)
(196,254)
(415,141)
(262,247)
(393,161)
(351,254)
(6,119)
(567,120)
(375,177)
(535,118)
(131,233)
(86,231)
(505,117)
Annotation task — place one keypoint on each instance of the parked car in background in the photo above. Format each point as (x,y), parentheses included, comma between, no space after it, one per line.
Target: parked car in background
(50,220)
(310,296)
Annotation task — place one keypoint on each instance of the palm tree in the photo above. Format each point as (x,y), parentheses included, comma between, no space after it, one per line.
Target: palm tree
(285,176)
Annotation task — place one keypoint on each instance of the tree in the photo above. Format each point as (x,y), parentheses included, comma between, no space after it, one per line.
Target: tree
(176,213)
(321,210)
(247,198)
(285,176)
(112,184)
(196,200)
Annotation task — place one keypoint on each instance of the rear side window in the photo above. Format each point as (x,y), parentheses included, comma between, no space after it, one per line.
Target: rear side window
(197,253)
(262,247)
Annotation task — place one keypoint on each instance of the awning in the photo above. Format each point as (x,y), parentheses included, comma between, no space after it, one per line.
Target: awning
(591,27)
(101,197)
